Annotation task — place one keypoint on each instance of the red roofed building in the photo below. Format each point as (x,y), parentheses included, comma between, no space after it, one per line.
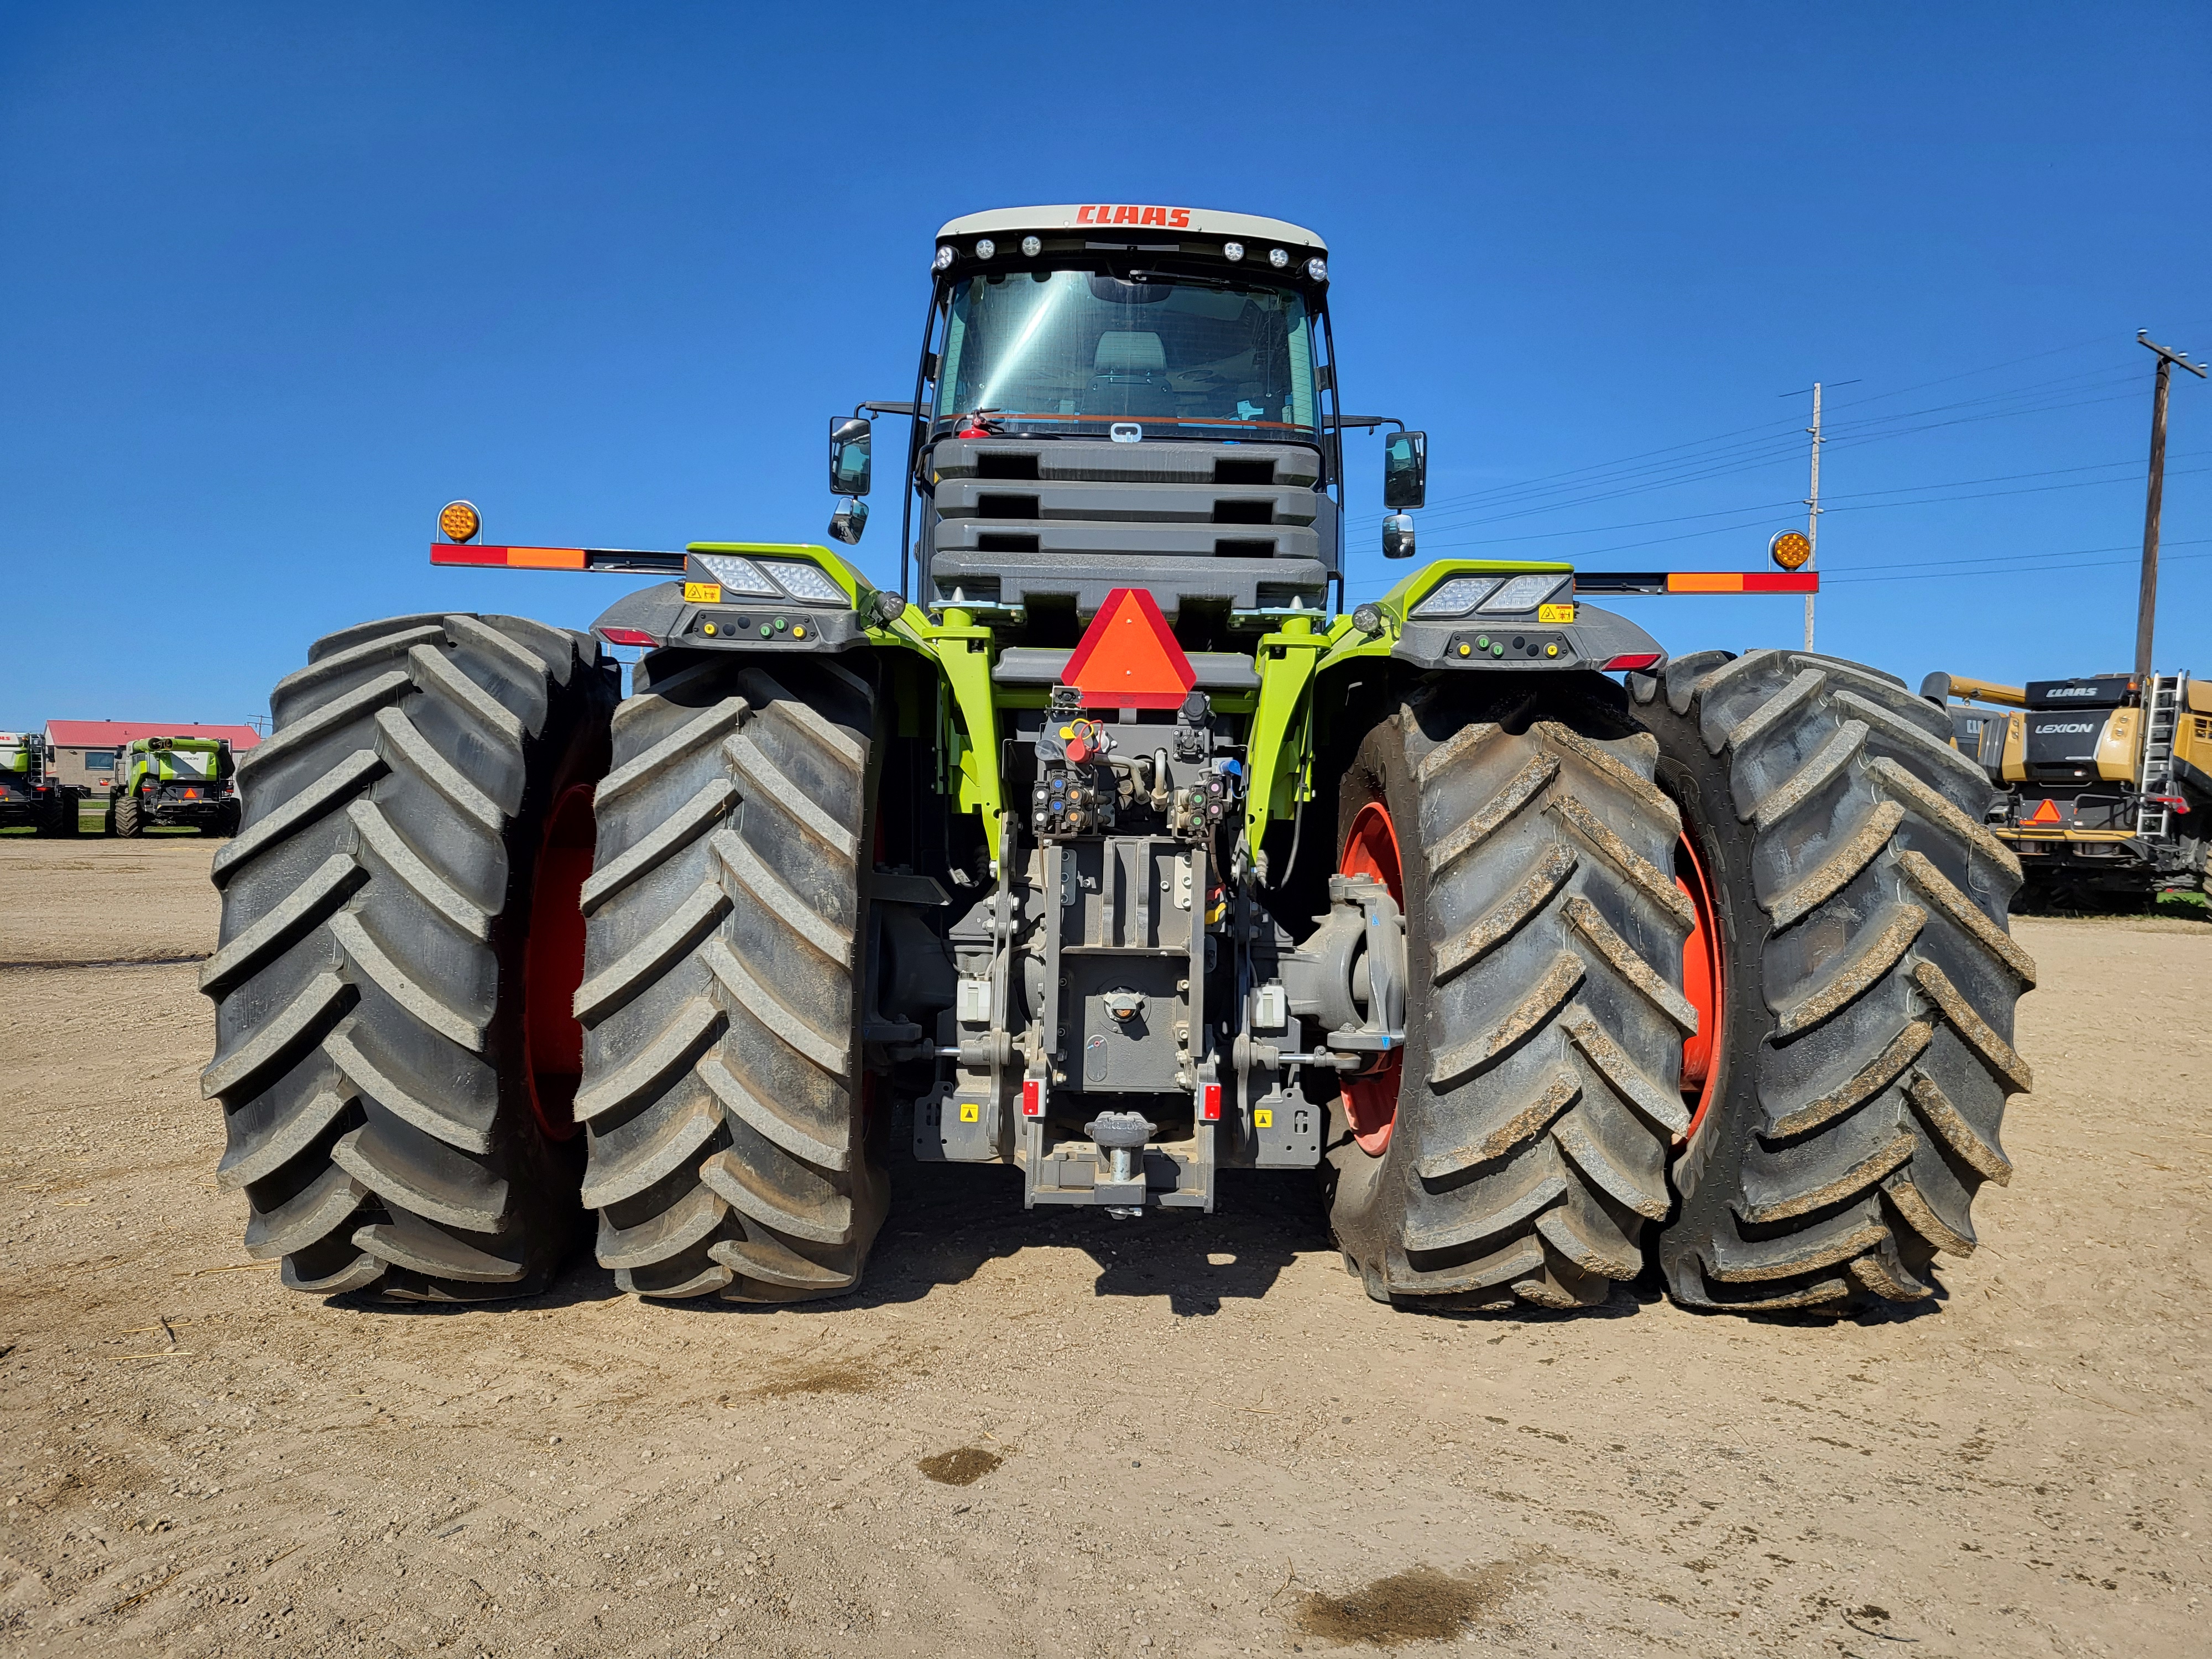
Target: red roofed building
(85,751)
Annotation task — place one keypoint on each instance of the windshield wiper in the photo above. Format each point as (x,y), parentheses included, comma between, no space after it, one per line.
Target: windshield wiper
(1190,280)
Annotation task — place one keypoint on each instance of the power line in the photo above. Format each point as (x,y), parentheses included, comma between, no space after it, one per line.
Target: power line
(1600,466)
(1607,529)
(1703,451)
(1986,495)
(1763,445)
(2107,373)
(1965,374)
(1779,449)
(1864,507)
(1959,576)
(1655,541)
(2009,477)
(2030,564)
(2007,559)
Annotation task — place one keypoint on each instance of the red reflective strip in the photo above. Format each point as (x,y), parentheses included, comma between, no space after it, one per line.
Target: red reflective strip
(1032,1098)
(455,553)
(1209,1104)
(1743,581)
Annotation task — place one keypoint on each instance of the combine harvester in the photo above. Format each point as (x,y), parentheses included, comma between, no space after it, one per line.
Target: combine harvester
(29,797)
(174,783)
(2104,784)
(1113,848)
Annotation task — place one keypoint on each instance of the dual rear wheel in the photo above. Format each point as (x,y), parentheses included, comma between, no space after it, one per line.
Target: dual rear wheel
(1715,972)
(495,952)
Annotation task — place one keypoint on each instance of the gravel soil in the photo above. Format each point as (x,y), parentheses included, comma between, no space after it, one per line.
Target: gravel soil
(1059,1434)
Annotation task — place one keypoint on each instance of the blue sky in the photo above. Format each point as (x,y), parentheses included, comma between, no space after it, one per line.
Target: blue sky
(277,281)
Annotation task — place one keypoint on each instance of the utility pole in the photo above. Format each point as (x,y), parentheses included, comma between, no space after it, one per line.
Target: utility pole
(2147,598)
(1812,507)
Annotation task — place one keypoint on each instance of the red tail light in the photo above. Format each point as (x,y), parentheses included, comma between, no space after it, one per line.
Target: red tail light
(627,636)
(1630,660)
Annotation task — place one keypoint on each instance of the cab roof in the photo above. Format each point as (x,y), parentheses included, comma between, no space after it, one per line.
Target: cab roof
(1138,217)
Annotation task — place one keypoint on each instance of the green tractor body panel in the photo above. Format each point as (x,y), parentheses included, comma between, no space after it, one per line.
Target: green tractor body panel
(1290,664)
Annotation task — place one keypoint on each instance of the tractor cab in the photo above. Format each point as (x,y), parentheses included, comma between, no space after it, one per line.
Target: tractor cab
(1124,395)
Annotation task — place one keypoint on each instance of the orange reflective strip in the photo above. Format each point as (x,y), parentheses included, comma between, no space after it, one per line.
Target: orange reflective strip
(1705,581)
(545,558)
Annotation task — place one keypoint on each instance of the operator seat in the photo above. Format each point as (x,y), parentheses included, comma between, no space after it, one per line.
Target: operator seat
(1129,375)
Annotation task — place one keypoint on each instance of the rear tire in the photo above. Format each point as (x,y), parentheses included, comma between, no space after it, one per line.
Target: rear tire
(722,1092)
(125,818)
(1864,1055)
(1543,1032)
(371,1054)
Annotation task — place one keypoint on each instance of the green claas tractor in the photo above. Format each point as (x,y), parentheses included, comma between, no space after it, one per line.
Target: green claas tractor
(1108,847)
(174,783)
(29,795)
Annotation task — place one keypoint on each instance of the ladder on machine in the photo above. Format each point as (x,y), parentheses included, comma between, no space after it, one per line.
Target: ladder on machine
(2162,699)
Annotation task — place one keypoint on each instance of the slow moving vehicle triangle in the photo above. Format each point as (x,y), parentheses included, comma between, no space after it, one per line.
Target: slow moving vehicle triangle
(1128,659)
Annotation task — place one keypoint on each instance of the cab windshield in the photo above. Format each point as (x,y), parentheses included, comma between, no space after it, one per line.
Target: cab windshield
(1067,347)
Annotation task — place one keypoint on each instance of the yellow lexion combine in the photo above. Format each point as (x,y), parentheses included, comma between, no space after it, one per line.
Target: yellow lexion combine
(2104,783)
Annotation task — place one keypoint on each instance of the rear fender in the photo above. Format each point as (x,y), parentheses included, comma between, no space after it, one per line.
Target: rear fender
(765,596)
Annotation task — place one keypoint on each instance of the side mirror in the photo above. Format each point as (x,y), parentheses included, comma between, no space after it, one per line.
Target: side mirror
(1404,470)
(1398,537)
(847,523)
(849,464)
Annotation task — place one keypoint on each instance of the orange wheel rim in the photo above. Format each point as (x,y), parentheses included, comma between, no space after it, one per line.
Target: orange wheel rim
(1703,982)
(553,962)
(1370,1100)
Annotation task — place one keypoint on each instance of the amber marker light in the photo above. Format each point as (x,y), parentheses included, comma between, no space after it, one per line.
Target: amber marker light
(1790,549)
(460,521)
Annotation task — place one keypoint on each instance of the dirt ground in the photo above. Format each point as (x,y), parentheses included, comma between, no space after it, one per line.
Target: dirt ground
(1061,1434)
